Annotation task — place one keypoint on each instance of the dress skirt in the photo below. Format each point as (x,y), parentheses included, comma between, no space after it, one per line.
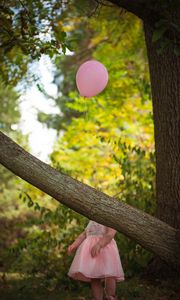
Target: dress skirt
(106,264)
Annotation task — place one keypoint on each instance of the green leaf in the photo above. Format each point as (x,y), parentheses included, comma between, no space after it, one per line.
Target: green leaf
(62,35)
(158,33)
(177,50)
(69,46)
(30,203)
(37,207)
(64,49)
(176,25)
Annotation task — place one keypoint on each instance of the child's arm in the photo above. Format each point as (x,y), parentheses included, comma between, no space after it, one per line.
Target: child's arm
(107,237)
(77,242)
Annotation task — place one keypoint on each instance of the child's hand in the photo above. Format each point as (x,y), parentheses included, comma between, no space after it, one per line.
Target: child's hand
(95,250)
(76,243)
(71,248)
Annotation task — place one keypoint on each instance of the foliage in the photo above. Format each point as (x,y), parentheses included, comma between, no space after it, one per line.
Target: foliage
(108,145)
(9,114)
(28,30)
(32,28)
(10,206)
(166,24)
(9,119)
(16,286)
(43,248)
(107,141)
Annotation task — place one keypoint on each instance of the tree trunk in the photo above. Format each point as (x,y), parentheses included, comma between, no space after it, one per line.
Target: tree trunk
(165,84)
(153,234)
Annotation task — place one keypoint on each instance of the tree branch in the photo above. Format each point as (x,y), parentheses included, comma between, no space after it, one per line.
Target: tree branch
(153,234)
(137,7)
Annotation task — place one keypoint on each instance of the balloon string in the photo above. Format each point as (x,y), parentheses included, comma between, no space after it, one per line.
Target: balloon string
(86,109)
(86,114)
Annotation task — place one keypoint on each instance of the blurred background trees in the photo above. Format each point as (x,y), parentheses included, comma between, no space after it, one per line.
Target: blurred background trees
(106,142)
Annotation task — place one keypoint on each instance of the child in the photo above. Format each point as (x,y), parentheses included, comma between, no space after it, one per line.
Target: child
(97,258)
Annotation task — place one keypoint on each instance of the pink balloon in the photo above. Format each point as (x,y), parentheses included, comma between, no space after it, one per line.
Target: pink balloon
(91,78)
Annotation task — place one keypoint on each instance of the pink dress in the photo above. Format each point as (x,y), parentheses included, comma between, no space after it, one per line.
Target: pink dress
(106,264)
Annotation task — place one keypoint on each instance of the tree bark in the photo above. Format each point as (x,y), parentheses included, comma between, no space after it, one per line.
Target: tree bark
(137,7)
(165,83)
(153,234)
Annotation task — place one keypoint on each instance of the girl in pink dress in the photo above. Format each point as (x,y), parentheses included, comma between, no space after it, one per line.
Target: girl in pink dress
(97,258)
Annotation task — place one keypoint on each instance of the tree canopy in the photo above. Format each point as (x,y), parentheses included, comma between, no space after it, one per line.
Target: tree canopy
(104,164)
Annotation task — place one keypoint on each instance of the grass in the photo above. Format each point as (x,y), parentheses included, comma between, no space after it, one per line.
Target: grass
(15,286)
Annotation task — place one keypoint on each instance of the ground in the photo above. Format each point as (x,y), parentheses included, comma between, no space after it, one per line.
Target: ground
(17,287)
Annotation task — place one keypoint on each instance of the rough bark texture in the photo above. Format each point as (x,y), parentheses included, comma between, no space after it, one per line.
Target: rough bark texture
(153,234)
(165,82)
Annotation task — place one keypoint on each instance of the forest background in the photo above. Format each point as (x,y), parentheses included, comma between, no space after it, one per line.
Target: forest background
(106,142)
